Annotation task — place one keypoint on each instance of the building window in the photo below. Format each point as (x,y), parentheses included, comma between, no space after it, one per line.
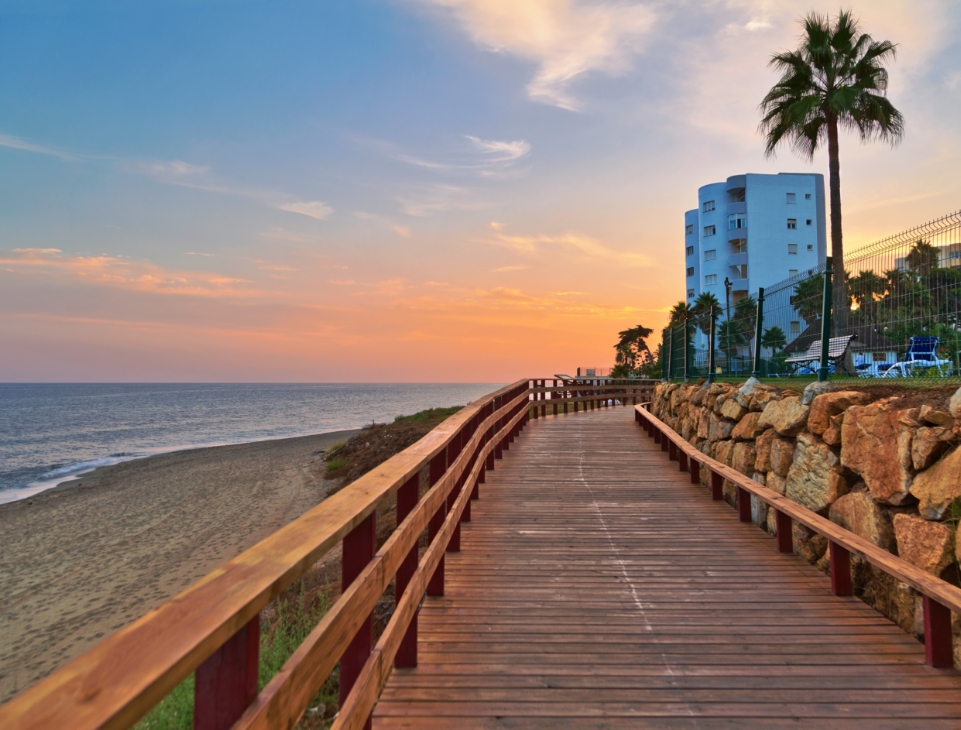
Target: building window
(792,224)
(791,198)
(791,273)
(690,271)
(708,206)
(709,230)
(739,246)
(795,328)
(740,271)
(738,197)
(737,220)
(688,229)
(690,250)
(710,280)
(792,249)
(690,293)
(809,221)
(810,247)
(710,255)
(807,196)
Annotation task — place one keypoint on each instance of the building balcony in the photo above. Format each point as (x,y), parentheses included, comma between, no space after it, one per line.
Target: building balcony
(737,259)
(734,208)
(736,183)
(737,234)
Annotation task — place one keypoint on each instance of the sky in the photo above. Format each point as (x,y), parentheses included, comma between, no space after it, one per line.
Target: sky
(400,190)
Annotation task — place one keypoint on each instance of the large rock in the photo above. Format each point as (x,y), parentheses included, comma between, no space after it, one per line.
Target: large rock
(861,515)
(703,422)
(876,443)
(934,417)
(927,445)
(939,486)
(782,455)
(831,404)
(763,446)
(722,452)
(954,405)
(718,428)
(815,479)
(747,428)
(786,416)
(813,390)
(743,457)
(832,436)
(762,396)
(928,545)
(776,483)
(732,409)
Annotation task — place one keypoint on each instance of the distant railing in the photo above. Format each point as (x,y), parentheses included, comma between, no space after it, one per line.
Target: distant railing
(213,628)
(940,597)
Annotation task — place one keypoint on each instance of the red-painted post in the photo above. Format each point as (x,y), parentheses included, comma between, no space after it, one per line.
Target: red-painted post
(938,651)
(359,548)
(743,505)
(671,450)
(498,438)
(407,497)
(695,472)
(226,683)
(453,451)
(490,435)
(554,397)
(438,465)
(717,486)
(682,464)
(840,570)
(785,532)
(666,443)
(657,435)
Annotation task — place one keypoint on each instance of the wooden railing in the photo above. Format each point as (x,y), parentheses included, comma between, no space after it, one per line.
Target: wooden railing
(586,394)
(213,628)
(939,597)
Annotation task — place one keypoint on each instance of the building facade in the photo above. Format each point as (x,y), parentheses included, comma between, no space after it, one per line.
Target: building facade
(753,231)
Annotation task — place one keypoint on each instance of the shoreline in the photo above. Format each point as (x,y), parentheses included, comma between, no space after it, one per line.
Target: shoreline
(36,487)
(89,555)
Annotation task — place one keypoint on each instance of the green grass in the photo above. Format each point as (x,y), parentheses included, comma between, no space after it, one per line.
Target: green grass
(335,464)
(294,621)
(431,414)
(338,445)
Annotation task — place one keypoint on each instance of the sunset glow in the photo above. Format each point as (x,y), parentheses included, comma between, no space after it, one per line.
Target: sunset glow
(404,190)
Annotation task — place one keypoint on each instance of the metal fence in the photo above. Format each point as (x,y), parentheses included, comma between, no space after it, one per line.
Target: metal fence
(893,310)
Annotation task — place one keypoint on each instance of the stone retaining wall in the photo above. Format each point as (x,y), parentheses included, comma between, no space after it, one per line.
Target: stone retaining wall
(891,475)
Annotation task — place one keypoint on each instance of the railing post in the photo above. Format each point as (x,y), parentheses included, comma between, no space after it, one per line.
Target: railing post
(553,399)
(743,505)
(840,570)
(938,651)
(681,460)
(695,472)
(227,681)
(657,436)
(687,350)
(453,451)
(758,330)
(438,465)
(671,450)
(826,321)
(492,406)
(407,497)
(496,433)
(785,532)
(359,548)
(717,486)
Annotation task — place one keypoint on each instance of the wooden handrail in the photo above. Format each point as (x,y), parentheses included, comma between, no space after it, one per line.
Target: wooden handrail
(115,683)
(938,594)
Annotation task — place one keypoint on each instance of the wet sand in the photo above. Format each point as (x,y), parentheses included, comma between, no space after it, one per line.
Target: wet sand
(83,560)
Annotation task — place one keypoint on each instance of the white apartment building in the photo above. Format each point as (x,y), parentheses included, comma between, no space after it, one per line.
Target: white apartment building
(753,230)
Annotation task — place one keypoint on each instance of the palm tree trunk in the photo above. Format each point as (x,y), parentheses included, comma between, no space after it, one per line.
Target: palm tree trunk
(840,303)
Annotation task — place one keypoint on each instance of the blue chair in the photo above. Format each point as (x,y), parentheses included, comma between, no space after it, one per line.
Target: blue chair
(921,355)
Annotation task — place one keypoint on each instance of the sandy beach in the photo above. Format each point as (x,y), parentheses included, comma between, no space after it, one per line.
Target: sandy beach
(82,560)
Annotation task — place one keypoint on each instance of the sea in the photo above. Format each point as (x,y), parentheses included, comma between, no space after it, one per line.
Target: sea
(51,433)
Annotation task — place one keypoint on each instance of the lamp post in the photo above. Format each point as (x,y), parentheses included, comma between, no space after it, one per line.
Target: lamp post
(727,319)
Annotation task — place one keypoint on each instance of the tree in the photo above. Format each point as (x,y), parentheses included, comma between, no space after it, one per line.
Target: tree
(866,290)
(923,257)
(631,350)
(835,79)
(702,310)
(807,298)
(774,339)
(678,313)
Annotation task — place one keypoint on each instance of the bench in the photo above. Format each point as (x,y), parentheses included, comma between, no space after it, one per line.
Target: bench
(838,353)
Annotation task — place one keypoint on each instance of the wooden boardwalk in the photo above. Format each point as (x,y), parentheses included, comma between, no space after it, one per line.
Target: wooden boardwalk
(597,588)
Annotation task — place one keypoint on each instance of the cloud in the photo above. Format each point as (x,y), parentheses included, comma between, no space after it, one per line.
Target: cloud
(436,199)
(481,157)
(120,272)
(566,39)
(502,151)
(312,209)
(402,231)
(503,269)
(197,253)
(18,143)
(572,244)
(177,168)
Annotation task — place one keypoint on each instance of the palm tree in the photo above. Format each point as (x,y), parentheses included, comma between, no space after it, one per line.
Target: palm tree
(836,78)
(866,290)
(631,349)
(923,257)
(774,339)
(679,312)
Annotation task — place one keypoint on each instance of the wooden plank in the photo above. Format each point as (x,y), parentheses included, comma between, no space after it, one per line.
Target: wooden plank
(598,585)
